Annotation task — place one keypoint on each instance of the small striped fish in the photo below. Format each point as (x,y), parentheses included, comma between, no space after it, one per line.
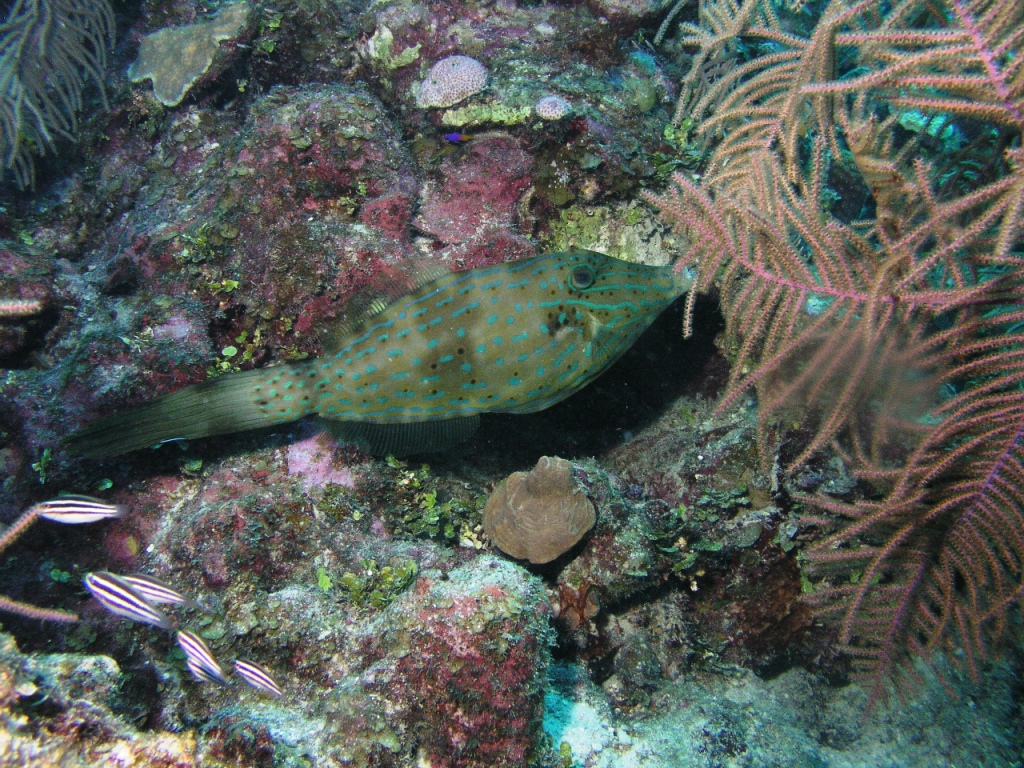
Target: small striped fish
(204,675)
(415,374)
(73,510)
(200,659)
(257,677)
(121,598)
(157,592)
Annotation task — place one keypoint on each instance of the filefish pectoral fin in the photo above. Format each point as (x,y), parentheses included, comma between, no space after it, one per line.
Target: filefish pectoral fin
(604,344)
(406,438)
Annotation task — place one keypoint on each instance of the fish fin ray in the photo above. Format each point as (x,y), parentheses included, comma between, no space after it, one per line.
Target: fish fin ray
(214,407)
(405,438)
(385,289)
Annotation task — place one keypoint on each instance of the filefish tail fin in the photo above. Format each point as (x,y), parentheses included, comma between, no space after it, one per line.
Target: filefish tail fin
(215,407)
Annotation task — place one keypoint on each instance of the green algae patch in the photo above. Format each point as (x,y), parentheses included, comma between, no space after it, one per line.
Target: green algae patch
(176,57)
(380,47)
(479,114)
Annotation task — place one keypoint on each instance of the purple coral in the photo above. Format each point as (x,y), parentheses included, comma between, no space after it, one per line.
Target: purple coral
(451,80)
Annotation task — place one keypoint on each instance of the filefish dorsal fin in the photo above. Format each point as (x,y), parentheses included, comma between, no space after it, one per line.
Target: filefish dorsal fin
(404,439)
(383,291)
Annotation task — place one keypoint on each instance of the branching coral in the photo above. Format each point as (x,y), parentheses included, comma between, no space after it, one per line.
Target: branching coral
(50,50)
(19,307)
(886,318)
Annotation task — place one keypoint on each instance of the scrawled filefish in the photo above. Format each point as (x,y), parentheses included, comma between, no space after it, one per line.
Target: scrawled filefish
(413,374)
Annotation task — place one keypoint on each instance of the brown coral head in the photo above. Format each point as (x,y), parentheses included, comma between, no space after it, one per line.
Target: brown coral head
(540,515)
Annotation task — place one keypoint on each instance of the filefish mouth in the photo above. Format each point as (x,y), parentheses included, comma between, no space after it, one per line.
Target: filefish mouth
(682,281)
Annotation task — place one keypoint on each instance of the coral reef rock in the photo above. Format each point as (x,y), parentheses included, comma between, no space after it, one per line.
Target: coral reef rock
(74,700)
(540,515)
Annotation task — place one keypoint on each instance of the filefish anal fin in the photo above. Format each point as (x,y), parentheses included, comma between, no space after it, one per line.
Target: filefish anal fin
(404,439)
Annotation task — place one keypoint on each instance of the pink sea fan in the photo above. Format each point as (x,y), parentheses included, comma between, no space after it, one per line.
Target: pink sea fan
(451,80)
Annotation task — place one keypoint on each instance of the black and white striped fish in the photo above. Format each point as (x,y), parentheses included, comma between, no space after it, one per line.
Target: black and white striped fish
(200,659)
(159,593)
(73,510)
(121,598)
(257,677)
(204,675)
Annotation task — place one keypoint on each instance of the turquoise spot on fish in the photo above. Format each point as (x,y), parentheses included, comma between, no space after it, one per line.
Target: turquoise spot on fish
(587,307)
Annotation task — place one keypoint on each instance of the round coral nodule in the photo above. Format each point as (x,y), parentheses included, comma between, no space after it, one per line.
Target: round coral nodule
(552,108)
(540,515)
(451,80)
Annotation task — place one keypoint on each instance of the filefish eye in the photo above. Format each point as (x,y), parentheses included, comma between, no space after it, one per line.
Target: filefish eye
(581,277)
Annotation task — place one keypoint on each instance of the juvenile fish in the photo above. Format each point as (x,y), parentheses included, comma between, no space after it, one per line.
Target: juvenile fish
(73,510)
(204,675)
(159,593)
(414,374)
(200,659)
(257,677)
(121,598)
